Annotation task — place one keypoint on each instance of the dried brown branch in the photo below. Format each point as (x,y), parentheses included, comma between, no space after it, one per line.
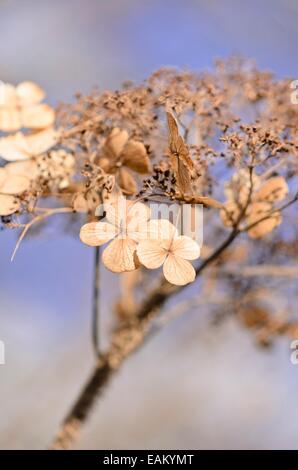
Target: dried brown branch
(268,270)
(125,340)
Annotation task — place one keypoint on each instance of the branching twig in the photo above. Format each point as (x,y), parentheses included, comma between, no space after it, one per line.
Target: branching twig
(45,214)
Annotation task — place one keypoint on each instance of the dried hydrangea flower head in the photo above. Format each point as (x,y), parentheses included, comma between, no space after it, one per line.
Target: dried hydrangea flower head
(21,106)
(170,251)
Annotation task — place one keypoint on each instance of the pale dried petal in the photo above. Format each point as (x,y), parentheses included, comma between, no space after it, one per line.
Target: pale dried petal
(178,271)
(14,184)
(135,157)
(127,182)
(275,189)
(258,211)
(97,233)
(29,93)
(8,95)
(138,210)
(8,204)
(185,247)
(116,211)
(151,253)
(10,119)
(86,202)
(239,187)
(119,256)
(21,147)
(26,168)
(158,229)
(14,147)
(38,116)
(40,142)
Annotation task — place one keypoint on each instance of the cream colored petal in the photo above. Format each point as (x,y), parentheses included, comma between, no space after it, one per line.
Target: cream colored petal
(151,254)
(40,142)
(15,184)
(158,229)
(135,157)
(127,182)
(3,175)
(29,93)
(258,211)
(97,233)
(8,204)
(14,147)
(8,95)
(138,215)
(178,271)
(119,256)
(275,189)
(116,211)
(185,247)
(26,168)
(37,116)
(10,119)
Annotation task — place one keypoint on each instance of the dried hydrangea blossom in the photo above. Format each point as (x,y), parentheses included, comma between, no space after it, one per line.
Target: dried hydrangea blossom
(125,222)
(21,146)
(172,252)
(178,136)
(21,106)
(120,154)
(254,200)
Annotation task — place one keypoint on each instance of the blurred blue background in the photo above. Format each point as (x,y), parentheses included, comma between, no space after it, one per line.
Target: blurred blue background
(190,387)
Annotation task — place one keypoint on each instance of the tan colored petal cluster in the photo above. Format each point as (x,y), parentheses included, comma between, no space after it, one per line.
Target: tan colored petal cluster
(135,239)
(14,180)
(22,146)
(123,227)
(21,107)
(121,155)
(171,251)
(261,208)
(53,170)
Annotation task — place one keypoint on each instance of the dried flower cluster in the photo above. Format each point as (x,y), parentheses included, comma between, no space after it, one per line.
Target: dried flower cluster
(226,139)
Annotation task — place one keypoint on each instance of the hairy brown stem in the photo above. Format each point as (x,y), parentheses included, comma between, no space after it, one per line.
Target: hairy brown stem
(125,340)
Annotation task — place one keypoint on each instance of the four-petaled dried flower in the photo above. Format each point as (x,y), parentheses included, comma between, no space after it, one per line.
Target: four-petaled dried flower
(21,146)
(254,201)
(170,251)
(21,106)
(121,154)
(125,222)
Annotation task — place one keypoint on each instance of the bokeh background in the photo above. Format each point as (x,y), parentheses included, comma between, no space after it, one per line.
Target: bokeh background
(192,386)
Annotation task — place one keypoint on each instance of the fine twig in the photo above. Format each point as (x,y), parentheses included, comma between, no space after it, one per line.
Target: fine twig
(39,218)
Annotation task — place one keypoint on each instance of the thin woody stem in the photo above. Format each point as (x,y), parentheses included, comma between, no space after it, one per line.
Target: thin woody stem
(96,302)
(125,340)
